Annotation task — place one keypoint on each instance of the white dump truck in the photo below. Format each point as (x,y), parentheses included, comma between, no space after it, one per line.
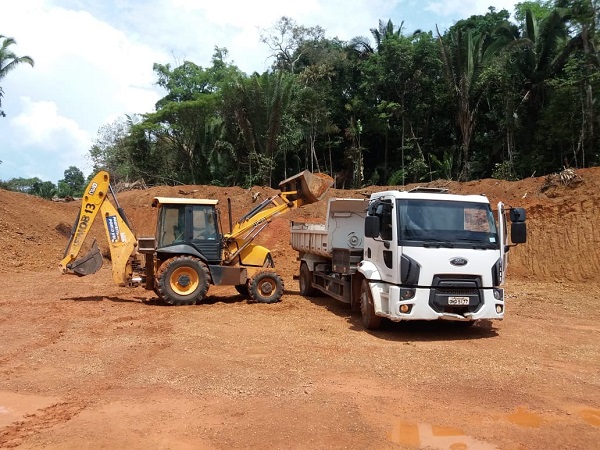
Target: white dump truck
(423,254)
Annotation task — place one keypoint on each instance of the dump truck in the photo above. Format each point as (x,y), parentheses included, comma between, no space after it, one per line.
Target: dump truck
(421,254)
(190,249)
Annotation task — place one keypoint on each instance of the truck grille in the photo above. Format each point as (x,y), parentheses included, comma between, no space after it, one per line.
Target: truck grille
(447,288)
(457,292)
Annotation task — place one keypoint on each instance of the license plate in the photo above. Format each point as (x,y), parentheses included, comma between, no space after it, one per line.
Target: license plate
(458,301)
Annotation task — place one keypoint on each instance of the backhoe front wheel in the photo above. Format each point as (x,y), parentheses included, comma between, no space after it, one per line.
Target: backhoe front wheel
(266,287)
(182,280)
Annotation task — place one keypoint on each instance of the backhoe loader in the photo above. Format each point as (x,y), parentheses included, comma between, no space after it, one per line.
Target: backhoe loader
(190,250)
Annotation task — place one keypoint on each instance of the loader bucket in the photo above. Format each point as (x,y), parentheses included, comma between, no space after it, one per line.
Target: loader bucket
(88,264)
(310,187)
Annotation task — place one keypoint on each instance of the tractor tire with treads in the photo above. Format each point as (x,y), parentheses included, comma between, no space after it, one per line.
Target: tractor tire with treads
(182,280)
(266,287)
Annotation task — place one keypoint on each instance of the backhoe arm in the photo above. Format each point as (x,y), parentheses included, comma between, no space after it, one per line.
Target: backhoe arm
(121,240)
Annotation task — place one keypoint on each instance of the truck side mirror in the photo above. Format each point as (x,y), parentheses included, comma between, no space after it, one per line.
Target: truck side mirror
(518,232)
(372,226)
(517,215)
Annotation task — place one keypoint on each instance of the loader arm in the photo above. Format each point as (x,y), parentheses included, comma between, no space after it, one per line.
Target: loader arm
(121,239)
(299,190)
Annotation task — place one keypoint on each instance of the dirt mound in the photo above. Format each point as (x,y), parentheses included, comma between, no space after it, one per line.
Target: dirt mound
(562,214)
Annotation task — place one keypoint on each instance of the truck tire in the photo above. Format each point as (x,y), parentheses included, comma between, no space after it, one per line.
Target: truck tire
(367,310)
(182,280)
(266,287)
(305,280)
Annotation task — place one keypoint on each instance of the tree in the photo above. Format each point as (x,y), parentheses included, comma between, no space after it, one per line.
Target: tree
(8,62)
(72,184)
(285,38)
(539,55)
(260,103)
(44,189)
(463,60)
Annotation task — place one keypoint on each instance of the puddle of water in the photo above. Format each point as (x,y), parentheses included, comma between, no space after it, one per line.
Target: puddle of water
(591,416)
(14,407)
(525,418)
(434,437)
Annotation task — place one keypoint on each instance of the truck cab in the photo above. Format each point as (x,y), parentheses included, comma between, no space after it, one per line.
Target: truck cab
(431,255)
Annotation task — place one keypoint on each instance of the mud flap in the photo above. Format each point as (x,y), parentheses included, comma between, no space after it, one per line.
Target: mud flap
(88,264)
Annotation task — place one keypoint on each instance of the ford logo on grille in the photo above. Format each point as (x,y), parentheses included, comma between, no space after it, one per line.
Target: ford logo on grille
(459,261)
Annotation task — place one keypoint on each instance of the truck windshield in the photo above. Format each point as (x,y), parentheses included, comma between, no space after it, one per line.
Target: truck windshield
(444,223)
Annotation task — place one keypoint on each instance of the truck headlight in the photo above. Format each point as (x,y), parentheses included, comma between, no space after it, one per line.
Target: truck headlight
(499,294)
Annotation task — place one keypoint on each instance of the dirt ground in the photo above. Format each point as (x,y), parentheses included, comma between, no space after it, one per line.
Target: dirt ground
(87,364)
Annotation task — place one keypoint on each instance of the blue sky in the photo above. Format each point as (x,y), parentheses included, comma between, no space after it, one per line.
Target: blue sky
(93,59)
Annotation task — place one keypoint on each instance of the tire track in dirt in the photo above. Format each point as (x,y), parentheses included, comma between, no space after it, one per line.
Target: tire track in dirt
(15,434)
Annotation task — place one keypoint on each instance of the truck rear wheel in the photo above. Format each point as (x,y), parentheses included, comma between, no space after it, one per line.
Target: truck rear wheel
(367,310)
(305,281)
(182,280)
(266,287)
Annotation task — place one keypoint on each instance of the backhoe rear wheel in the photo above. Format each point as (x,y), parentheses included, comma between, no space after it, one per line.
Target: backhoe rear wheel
(182,280)
(266,287)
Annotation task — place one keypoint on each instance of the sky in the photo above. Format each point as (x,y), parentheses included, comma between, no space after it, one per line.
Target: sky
(93,59)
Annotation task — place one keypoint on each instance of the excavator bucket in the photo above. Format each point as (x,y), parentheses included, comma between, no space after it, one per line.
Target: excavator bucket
(310,187)
(88,264)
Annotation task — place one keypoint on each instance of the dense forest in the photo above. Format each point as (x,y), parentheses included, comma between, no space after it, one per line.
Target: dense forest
(492,96)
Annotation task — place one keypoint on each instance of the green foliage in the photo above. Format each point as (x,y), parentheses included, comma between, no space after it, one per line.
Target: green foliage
(489,97)
(504,171)
(72,184)
(441,168)
(44,189)
(397,178)
(31,186)
(9,61)
(20,184)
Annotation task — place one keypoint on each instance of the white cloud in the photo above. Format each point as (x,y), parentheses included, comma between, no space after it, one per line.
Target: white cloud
(47,142)
(86,72)
(41,125)
(462,9)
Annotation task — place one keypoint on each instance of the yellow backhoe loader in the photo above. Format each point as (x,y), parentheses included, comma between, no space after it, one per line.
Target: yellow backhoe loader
(190,251)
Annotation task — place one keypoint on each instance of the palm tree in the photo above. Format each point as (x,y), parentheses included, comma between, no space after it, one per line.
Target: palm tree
(462,57)
(261,103)
(9,61)
(543,50)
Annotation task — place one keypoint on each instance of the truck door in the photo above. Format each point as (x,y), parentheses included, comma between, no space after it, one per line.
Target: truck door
(502,236)
(385,251)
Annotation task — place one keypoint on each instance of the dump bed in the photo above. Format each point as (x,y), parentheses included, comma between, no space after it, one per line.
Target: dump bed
(343,229)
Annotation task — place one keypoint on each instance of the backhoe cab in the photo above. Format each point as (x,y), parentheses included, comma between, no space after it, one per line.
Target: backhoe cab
(190,250)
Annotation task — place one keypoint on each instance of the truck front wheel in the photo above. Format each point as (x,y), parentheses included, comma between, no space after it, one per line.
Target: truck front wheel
(266,287)
(305,281)
(367,310)
(182,280)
